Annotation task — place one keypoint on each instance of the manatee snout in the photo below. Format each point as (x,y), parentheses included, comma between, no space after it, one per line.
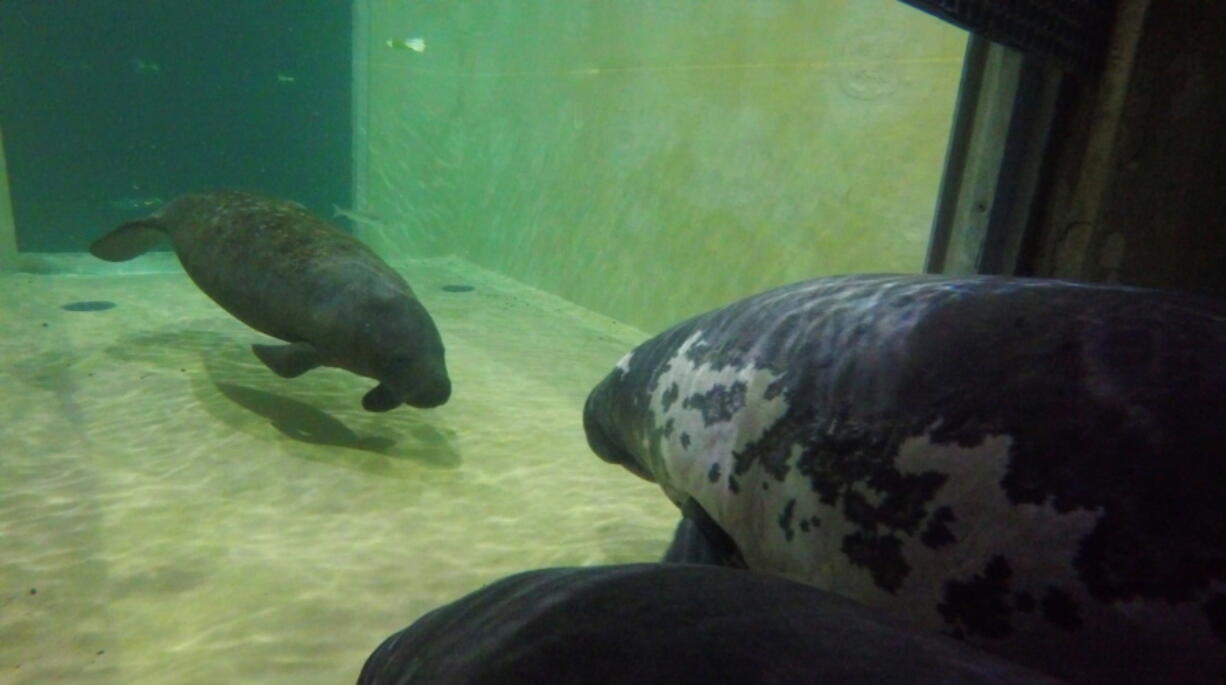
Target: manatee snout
(598,414)
(405,353)
(422,382)
(432,392)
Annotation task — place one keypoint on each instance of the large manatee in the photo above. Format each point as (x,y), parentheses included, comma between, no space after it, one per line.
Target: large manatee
(665,623)
(1034,466)
(288,273)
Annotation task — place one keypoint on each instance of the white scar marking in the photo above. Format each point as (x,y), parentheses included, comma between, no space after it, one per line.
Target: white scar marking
(623,364)
(687,469)
(1039,542)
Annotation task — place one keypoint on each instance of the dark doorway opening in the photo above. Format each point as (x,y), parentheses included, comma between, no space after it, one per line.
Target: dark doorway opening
(110,106)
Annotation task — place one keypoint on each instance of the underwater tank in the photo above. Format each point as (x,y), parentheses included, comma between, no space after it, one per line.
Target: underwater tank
(549,185)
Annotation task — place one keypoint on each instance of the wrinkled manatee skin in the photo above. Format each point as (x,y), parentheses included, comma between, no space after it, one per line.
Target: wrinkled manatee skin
(1034,466)
(665,623)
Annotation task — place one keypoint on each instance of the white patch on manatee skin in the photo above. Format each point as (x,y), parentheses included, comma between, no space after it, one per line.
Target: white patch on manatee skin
(1041,546)
(814,556)
(685,469)
(1039,543)
(1037,540)
(623,364)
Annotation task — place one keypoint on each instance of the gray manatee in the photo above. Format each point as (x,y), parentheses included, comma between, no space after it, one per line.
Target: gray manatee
(666,623)
(288,273)
(1034,466)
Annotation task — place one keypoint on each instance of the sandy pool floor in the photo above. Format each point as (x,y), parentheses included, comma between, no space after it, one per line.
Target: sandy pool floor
(172,512)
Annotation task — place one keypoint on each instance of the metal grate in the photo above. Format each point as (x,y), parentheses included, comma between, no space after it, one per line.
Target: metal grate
(1074,32)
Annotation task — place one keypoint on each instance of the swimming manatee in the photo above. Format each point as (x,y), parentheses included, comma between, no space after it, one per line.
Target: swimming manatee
(671,623)
(1034,466)
(288,273)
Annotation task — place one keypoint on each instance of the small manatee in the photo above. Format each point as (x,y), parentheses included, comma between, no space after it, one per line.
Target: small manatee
(291,275)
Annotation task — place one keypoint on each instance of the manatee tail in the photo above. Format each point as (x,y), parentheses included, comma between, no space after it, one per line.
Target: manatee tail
(129,240)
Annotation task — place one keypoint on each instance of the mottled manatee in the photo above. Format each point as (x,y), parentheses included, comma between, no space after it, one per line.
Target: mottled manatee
(1035,466)
(288,273)
(666,623)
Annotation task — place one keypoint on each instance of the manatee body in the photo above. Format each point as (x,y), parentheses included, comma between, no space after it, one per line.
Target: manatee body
(1034,466)
(665,623)
(288,273)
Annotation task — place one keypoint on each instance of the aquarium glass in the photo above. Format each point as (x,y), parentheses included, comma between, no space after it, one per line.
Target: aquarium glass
(556,181)
(650,162)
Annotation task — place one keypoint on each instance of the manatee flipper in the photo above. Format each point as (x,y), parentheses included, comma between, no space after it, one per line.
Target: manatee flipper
(381,398)
(288,361)
(129,240)
(700,540)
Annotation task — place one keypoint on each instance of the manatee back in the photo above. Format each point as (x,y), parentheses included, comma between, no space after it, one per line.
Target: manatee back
(274,265)
(1034,466)
(652,623)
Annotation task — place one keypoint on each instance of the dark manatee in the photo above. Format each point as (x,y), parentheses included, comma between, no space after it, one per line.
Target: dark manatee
(290,274)
(658,623)
(1034,466)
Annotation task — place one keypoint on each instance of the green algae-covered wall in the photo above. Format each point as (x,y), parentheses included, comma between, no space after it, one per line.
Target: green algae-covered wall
(653,160)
